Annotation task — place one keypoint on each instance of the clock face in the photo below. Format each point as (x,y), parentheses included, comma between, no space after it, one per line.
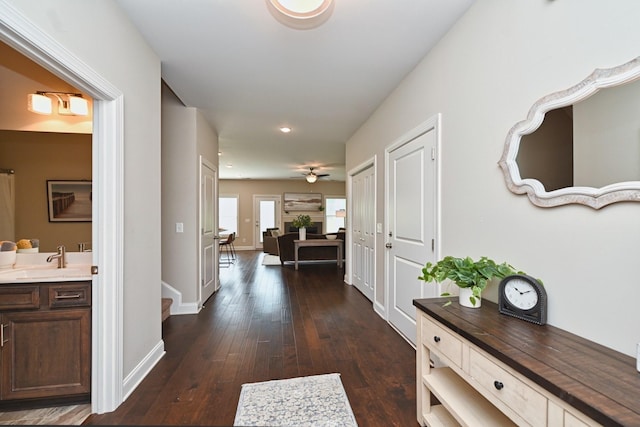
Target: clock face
(521,294)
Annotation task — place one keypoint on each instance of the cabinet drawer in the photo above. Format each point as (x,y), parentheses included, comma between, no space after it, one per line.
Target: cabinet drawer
(442,341)
(524,401)
(19,297)
(70,295)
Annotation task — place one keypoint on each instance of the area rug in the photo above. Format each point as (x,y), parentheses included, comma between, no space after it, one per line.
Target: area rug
(318,401)
(270,260)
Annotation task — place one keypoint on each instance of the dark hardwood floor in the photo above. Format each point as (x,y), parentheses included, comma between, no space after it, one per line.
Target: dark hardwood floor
(272,322)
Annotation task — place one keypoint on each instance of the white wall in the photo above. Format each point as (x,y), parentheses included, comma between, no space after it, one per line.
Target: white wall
(185,136)
(100,35)
(483,77)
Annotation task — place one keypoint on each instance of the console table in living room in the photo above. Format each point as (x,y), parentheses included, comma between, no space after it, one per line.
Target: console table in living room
(495,370)
(297,244)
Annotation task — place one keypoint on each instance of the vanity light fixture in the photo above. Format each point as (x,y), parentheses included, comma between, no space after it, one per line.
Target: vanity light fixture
(301,14)
(69,104)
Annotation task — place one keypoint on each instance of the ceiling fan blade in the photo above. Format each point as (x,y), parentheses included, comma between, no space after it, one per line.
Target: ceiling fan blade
(320,175)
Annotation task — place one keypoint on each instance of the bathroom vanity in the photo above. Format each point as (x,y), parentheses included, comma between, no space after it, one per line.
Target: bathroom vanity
(45,334)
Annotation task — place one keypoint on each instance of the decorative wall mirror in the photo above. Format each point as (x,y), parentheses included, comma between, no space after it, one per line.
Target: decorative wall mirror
(580,145)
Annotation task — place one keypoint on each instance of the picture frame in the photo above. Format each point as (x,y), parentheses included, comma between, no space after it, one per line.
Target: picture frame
(302,201)
(69,201)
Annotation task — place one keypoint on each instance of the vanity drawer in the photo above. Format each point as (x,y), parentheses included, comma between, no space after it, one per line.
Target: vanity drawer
(442,341)
(70,295)
(19,297)
(514,393)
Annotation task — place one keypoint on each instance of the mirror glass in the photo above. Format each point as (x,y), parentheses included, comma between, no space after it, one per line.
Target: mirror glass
(581,145)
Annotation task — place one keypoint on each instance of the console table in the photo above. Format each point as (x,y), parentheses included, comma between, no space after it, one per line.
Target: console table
(297,244)
(476,367)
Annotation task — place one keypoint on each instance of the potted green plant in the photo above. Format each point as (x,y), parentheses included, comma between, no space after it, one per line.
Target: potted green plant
(301,222)
(470,276)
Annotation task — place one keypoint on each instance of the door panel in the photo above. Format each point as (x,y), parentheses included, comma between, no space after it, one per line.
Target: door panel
(411,191)
(363,232)
(209,247)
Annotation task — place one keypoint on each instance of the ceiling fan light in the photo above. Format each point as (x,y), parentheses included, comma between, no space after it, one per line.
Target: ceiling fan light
(311,178)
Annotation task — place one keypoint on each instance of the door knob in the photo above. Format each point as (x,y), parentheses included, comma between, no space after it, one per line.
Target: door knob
(388,246)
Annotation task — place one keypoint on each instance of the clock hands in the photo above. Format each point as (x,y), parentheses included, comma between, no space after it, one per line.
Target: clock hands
(520,292)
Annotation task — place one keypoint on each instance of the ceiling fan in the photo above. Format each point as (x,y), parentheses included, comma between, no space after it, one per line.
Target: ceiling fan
(312,177)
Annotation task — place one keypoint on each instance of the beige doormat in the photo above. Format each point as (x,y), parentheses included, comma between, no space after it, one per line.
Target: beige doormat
(318,401)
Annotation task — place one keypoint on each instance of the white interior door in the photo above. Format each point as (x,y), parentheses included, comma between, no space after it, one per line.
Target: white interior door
(411,230)
(267,214)
(209,262)
(363,231)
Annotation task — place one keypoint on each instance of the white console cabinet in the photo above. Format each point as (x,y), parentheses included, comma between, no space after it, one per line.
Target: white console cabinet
(476,367)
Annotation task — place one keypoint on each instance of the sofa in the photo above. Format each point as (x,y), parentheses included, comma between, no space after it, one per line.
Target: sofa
(286,248)
(270,241)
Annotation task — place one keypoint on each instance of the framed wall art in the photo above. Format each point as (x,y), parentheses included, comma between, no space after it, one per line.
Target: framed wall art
(302,201)
(69,201)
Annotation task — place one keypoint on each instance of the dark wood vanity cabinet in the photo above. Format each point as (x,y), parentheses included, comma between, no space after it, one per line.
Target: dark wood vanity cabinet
(46,340)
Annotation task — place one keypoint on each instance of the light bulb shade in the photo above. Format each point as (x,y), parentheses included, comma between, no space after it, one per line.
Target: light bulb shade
(40,104)
(72,105)
(311,178)
(78,106)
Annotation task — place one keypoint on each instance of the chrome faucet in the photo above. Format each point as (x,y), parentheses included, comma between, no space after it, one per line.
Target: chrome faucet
(60,256)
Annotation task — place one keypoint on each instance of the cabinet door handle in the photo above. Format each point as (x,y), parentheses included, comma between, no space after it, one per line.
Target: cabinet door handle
(436,338)
(498,385)
(70,296)
(2,340)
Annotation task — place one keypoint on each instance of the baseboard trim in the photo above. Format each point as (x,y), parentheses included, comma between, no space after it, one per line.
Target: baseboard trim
(142,370)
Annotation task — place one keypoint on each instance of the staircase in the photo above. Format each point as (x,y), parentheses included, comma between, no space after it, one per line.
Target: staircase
(166,308)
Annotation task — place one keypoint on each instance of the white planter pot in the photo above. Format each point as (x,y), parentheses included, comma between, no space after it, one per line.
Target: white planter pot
(302,233)
(465,294)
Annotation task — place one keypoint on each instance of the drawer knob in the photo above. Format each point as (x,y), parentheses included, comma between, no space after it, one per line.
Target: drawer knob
(498,385)
(436,338)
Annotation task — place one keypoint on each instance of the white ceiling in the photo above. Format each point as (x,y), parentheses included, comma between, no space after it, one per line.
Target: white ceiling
(249,74)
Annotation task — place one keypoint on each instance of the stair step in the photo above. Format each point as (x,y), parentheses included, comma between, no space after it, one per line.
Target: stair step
(166,308)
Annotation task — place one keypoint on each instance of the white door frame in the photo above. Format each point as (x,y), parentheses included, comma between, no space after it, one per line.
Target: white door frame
(432,122)
(107,226)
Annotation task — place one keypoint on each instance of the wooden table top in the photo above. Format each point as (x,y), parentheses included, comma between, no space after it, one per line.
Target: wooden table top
(598,381)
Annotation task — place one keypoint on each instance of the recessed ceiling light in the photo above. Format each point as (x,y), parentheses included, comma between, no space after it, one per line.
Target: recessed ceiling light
(301,14)
(285,129)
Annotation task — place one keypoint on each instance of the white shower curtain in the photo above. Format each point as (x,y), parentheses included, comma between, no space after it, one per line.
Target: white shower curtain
(7,207)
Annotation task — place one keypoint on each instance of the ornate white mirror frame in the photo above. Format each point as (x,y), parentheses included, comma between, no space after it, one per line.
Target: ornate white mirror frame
(593,197)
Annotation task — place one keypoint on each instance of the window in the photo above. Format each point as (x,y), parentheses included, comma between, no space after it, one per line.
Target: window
(228,214)
(335,213)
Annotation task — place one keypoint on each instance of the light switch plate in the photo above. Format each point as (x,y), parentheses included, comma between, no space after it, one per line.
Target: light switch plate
(179,227)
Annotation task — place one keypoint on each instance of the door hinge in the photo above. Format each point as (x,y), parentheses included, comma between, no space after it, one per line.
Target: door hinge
(433,153)
(433,245)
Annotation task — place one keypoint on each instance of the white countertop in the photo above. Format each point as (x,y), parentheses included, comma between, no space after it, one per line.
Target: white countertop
(32,268)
